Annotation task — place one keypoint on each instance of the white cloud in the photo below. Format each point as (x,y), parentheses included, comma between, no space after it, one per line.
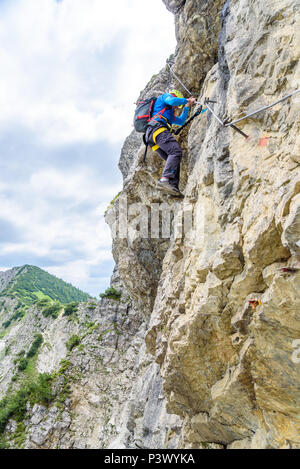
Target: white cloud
(79,185)
(51,212)
(59,75)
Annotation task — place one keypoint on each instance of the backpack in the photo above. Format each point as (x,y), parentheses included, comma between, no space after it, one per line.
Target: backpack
(143,114)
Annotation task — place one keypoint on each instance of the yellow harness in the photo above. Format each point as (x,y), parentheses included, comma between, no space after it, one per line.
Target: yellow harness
(154,136)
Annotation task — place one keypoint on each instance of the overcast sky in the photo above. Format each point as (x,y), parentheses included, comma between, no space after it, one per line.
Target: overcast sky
(70,73)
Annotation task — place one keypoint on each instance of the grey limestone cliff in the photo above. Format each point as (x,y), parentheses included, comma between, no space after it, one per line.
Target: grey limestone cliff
(202,349)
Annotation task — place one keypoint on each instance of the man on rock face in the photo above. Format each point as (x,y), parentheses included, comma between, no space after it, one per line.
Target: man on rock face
(159,137)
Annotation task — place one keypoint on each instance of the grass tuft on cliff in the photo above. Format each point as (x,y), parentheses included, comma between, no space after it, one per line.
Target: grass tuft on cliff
(14,405)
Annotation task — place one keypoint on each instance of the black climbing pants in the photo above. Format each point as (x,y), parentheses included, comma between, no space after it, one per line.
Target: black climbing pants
(170,151)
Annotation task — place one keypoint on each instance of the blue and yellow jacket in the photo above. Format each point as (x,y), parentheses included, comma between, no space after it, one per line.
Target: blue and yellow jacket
(163,110)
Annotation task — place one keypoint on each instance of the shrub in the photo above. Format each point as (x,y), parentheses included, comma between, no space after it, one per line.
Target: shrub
(17,315)
(19,437)
(112,294)
(6,324)
(64,365)
(3,443)
(43,303)
(52,310)
(112,202)
(23,364)
(73,341)
(14,405)
(35,346)
(40,391)
(71,308)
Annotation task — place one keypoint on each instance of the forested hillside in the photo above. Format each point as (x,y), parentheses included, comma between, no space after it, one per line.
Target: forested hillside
(32,283)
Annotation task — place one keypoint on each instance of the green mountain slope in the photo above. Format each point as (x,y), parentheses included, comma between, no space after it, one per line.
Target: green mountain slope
(32,283)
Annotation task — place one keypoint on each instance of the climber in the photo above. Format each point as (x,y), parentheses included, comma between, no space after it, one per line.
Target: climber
(159,137)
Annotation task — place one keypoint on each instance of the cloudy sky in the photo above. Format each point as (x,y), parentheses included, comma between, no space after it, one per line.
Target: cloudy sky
(70,73)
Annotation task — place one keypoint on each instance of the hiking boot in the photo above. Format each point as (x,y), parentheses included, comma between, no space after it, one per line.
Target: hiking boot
(167,187)
(178,194)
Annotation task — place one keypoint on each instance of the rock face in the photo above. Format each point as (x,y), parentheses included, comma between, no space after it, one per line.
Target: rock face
(223,309)
(203,350)
(6,277)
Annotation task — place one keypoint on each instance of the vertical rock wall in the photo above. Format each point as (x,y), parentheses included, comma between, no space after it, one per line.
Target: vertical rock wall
(203,348)
(227,365)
